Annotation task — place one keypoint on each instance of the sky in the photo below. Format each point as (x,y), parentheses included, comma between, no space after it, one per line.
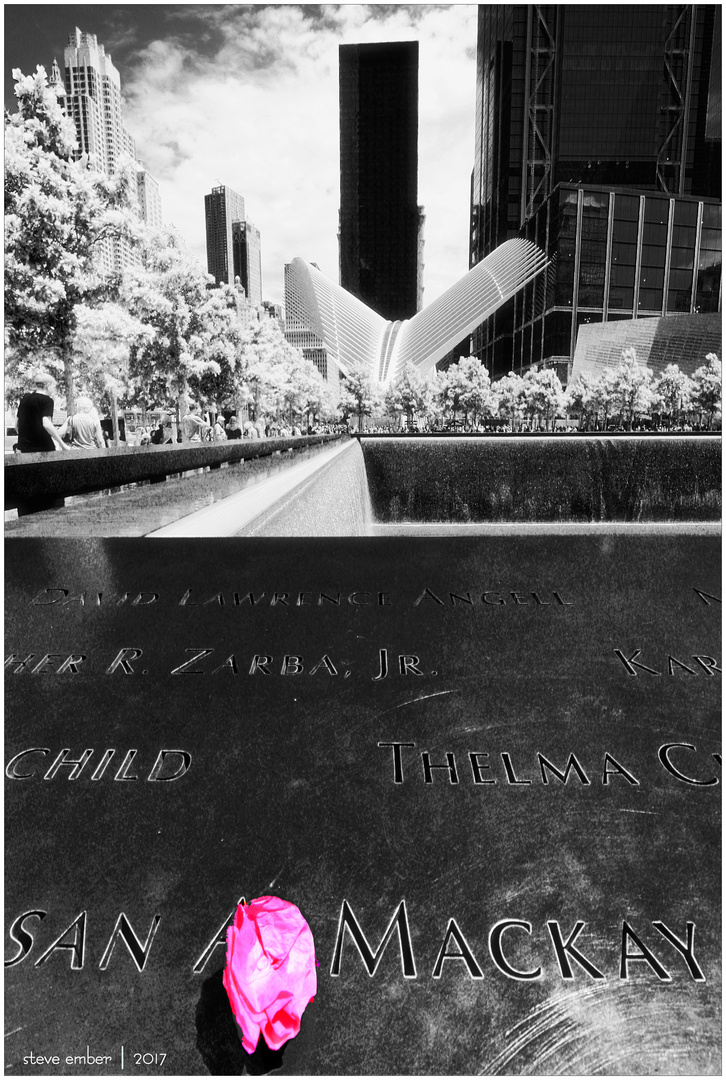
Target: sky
(247,96)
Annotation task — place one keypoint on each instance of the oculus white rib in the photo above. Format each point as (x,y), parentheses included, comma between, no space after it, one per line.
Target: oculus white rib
(357,339)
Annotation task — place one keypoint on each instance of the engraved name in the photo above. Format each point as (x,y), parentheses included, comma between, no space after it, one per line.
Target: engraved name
(481,768)
(564,949)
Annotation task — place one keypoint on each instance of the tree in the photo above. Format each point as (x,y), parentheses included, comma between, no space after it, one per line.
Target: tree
(198,337)
(603,397)
(265,375)
(101,343)
(581,398)
(409,393)
(465,387)
(327,410)
(478,399)
(632,392)
(58,214)
(219,341)
(510,394)
(707,387)
(359,396)
(544,396)
(305,391)
(672,392)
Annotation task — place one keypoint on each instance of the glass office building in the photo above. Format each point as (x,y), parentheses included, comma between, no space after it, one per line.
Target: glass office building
(381,224)
(598,135)
(616,254)
(247,259)
(222,207)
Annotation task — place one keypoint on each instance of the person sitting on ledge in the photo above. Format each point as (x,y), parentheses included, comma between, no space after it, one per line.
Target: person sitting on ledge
(83,429)
(36,432)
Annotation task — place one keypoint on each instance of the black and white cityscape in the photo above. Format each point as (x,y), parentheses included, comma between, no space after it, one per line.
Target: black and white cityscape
(363,486)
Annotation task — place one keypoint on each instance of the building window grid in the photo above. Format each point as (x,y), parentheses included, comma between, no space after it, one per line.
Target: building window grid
(575,291)
(636,288)
(708,264)
(659,270)
(652,276)
(593,251)
(668,256)
(608,255)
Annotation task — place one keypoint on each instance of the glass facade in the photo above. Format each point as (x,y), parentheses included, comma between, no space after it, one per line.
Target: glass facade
(626,215)
(595,123)
(615,255)
(247,259)
(593,250)
(222,207)
(380,219)
(654,235)
(708,278)
(683,246)
(612,55)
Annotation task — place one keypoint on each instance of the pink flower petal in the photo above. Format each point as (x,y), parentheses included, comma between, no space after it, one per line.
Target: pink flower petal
(270,975)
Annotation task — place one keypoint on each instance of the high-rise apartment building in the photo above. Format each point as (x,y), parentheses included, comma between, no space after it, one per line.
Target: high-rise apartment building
(247,259)
(90,94)
(381,224)
(598,137)
(93,101)
(222,207)
(149,196)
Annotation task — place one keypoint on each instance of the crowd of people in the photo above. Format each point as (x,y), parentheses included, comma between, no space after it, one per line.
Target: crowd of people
(85,430)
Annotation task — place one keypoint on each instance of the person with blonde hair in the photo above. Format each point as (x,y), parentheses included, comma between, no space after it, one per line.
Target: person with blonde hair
(83,429)
(36,431)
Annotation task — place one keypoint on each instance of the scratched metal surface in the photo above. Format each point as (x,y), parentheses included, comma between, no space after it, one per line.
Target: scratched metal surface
(288,792)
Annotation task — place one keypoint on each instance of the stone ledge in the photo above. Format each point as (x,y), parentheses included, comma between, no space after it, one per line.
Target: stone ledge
(77,472)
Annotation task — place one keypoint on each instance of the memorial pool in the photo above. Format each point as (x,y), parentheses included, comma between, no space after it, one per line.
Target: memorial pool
(485,767)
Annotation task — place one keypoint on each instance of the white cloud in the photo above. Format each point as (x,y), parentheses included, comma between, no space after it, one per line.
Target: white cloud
(261,116)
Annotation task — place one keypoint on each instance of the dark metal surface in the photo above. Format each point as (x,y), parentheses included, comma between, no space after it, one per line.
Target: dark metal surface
(288,792)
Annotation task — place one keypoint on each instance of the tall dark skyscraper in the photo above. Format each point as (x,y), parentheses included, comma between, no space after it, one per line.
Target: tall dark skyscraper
(247,259)
(381,223)
(222,207)
(598,135)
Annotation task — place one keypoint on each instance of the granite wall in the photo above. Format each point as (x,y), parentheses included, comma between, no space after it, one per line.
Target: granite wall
(547,479)
(334,501)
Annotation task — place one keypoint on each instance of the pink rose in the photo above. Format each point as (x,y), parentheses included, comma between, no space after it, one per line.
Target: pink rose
(270,973)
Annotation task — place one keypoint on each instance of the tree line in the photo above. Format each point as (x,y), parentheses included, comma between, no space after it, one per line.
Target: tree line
(463,397)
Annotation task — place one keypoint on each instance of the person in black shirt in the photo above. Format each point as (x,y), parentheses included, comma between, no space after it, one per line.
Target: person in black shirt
(233,429)
(36,432)
(37,435)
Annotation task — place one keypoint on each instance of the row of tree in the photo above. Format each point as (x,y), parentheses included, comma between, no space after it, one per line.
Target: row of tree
(156,334)
(464,397)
